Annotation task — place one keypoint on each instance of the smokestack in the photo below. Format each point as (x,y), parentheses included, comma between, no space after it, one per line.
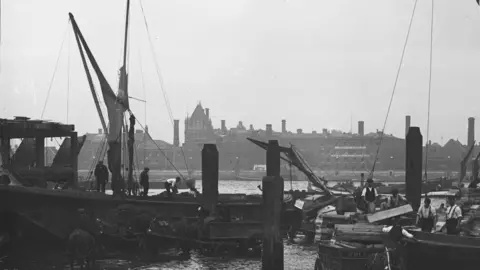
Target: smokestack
(361,130)
(284,126)
(407,124)
(471,130)
(176,133)
(269,130)
(224,127)
(207,113)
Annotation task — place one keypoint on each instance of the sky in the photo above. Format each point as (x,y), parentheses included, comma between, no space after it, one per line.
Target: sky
(317,64)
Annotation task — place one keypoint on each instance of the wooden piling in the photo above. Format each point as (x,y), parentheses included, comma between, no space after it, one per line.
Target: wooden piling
(272,191)
(273,158)
(210,164)
(413,166)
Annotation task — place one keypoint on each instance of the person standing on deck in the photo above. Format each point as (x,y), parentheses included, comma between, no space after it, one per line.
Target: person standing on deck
(171,186)
(369,195)
(395,200)
(453,216)
(427,216)
(101,174)
(144,181)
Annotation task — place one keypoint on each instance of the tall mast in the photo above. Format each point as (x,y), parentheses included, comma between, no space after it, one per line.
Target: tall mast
(126,35)
(131,134)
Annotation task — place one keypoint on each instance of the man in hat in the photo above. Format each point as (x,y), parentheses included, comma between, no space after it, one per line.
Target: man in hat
(101,175)
(369,195)
(427,216)
(453,216)
(144,181)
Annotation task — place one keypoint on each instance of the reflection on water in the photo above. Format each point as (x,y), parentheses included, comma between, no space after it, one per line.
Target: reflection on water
(295,257)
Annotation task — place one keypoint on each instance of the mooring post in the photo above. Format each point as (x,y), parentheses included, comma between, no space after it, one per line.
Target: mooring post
(273,158)
(210,176)
(413,167)
(272,191)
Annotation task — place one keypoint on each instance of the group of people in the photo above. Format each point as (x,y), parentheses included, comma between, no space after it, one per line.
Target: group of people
(427,214)
(101,175)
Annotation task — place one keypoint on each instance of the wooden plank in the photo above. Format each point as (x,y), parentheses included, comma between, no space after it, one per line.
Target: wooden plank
(382,215)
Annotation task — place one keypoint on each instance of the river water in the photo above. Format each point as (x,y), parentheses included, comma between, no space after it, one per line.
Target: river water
(296,256)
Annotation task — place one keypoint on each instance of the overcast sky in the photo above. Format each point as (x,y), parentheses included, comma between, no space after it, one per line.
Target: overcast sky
(317,64)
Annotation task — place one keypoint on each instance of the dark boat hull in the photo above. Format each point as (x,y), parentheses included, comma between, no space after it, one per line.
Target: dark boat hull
(440,251)
(55,210)
(334,257)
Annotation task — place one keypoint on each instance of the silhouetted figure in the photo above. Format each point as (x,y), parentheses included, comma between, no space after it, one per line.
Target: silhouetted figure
(144,181)
(101,174)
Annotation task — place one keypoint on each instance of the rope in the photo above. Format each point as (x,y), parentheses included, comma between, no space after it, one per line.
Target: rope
(158,147)
(55,70)
(144,98)
(429,91)
(68,74)
(160,79)
(394,86)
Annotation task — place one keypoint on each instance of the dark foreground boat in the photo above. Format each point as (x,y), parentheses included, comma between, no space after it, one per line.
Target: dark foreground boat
(342,255)
(441,251)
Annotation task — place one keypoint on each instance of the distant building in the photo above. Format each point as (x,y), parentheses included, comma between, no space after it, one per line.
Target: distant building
(328,150)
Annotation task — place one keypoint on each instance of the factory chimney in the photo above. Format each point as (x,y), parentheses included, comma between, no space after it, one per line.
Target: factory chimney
(207,113)
(224,127)
(361,130)
(471,130)
(176,134)
(284,126)
(269,131)
(407,124)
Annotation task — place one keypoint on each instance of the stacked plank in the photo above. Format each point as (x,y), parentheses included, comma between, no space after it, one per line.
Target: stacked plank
(359,232)
(325,224)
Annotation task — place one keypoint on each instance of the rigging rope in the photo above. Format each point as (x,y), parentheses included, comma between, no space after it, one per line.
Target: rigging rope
(158,147)
(429,92)
(160,79)
(55,70)
(144,98)
(394,87)
(68,73)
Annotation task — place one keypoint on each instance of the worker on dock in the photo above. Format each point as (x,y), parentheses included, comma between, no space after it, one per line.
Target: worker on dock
(427,216)
(101,174)
(395,200)
(171,185)
(369,195)
(144,181)
(453,216)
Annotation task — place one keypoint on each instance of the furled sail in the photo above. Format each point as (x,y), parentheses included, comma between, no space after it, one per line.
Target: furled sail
(115,108)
